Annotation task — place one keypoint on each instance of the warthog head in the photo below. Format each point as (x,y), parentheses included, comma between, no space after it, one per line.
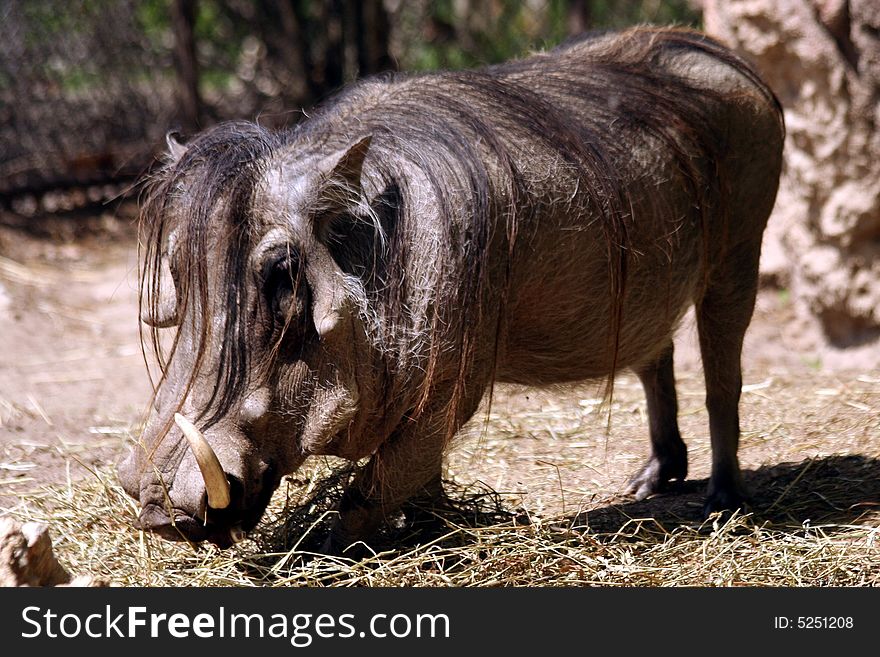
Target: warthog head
(266,359)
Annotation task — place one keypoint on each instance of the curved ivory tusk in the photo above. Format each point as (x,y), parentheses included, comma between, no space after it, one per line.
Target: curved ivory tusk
(216,484)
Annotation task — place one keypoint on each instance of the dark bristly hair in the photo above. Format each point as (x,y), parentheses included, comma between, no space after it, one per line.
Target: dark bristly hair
(455,129)
(211,184)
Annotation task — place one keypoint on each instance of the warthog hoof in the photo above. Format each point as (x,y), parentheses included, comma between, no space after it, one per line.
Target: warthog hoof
(657,473)
(724,498)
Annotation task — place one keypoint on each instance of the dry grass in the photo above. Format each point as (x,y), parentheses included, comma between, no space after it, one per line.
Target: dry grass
(91,531)
(476,540)
(809,449)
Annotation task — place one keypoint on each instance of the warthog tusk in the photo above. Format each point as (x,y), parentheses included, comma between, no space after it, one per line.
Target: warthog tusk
(216,484)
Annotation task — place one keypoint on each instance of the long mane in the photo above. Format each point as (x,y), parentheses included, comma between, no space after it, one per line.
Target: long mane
(211,184)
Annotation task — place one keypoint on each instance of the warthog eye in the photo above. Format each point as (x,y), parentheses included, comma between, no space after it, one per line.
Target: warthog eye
(284,287)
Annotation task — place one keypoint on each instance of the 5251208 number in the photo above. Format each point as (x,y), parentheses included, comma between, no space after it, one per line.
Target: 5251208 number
(813,622)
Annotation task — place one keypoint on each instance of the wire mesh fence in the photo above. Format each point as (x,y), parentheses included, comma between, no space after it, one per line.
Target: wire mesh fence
(85,93)
(89,88)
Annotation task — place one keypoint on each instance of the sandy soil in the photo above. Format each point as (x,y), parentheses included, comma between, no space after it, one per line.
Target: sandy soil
(72,378)
(73,387)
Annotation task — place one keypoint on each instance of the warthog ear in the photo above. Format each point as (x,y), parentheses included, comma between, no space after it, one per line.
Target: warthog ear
(175,148)
(350,163)
(341,188)
(340,192)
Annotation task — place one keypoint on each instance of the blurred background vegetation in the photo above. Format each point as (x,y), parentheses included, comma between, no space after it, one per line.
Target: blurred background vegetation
(88,88)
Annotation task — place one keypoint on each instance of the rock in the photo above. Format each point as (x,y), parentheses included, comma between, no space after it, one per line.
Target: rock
(822,58)
(26,558)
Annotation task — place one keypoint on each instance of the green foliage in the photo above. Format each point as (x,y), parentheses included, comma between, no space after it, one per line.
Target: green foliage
(153,16)
(242,43)
(436,35)
(428,34)
(621,13)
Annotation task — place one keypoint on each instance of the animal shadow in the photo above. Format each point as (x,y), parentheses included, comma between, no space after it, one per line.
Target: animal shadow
(831,490)
(445,521)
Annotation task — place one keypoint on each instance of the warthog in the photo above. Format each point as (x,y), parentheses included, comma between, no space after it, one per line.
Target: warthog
(354,285)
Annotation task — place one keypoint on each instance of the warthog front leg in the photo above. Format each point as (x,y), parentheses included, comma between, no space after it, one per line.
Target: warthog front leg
(668,458)
(408,465)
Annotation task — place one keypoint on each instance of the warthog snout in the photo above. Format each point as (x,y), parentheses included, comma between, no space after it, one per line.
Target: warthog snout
(202,500)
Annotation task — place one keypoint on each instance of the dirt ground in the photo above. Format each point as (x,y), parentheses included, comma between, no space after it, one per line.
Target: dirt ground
(73,388)
(72,378)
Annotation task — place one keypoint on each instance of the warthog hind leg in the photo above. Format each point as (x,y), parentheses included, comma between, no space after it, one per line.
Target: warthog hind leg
(723,315)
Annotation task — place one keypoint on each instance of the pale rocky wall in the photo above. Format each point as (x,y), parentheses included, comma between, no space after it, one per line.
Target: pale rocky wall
(822,58)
